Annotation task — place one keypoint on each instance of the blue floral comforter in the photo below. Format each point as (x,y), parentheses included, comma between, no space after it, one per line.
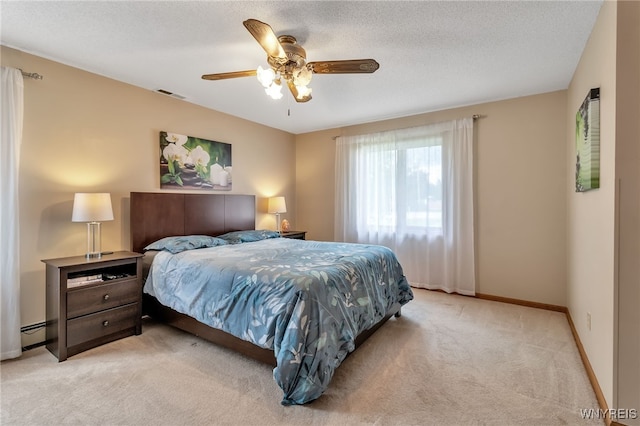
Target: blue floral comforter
(306,300)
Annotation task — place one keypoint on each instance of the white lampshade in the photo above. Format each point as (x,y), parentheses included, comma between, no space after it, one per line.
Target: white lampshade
(92,207)
(277,205)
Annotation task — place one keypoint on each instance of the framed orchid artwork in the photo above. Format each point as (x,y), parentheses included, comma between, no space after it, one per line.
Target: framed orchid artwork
(187,162)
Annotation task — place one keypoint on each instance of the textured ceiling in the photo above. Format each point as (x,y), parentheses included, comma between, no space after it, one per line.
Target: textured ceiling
(432,55)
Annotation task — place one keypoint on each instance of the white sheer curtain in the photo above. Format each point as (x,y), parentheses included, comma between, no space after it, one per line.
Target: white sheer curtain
(412,191)
(11,91)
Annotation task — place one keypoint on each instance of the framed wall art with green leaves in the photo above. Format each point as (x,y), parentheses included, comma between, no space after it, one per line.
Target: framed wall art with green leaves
(588,143)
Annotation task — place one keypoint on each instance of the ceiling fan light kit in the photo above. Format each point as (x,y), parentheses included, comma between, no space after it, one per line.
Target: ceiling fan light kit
(271,82)
(288,62)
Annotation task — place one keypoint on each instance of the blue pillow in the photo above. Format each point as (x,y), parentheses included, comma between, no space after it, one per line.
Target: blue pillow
(237,237)
(181,243)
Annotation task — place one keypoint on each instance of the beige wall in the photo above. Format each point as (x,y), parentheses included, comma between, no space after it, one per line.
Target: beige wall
(590,215)
(84,132)
(521,191)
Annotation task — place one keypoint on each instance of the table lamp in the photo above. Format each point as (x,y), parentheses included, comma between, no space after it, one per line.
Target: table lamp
(277,205)
(92,208)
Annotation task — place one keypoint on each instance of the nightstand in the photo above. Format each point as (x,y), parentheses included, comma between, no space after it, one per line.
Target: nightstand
(296,235)
(91,302)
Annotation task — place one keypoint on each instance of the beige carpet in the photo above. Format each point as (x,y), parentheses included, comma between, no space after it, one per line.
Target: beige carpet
(450,360)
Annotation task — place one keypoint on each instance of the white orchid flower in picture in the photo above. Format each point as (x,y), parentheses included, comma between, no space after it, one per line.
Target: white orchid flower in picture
(189,162)
(199,156)
(176,138)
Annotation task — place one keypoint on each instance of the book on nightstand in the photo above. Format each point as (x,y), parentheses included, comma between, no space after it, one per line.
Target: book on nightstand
(83,280)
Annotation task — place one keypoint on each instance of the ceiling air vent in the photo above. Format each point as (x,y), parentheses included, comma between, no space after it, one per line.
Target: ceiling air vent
(168,93)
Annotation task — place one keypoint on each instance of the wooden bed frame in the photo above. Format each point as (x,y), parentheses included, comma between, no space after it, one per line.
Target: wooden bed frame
(157,215)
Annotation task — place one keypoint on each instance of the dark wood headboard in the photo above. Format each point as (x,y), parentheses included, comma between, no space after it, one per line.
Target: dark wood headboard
(155,215)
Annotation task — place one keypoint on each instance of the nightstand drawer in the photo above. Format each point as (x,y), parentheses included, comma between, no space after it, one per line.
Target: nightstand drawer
(90,327)
(105,296)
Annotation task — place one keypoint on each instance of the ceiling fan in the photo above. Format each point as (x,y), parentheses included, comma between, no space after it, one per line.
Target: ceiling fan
(288,62)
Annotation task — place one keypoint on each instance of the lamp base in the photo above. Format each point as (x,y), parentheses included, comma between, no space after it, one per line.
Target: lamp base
(93,240)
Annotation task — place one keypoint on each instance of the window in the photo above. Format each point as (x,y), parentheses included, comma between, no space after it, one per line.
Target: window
(412,191)
(401,189)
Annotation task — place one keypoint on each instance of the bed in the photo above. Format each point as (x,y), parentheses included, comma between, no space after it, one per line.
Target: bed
(301,306)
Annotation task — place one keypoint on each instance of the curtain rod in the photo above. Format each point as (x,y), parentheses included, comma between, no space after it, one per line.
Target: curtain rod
(33,75)
(474,116)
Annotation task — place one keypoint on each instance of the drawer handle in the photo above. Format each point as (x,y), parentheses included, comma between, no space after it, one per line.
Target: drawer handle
(105,323)
(106,297)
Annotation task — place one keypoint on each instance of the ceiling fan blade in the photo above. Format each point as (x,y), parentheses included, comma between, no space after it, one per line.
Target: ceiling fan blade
(294,92)
(225,75)
(265,36)
(351,66)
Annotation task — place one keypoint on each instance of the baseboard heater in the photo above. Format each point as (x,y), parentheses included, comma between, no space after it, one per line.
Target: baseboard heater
(32,327)
(29,329)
